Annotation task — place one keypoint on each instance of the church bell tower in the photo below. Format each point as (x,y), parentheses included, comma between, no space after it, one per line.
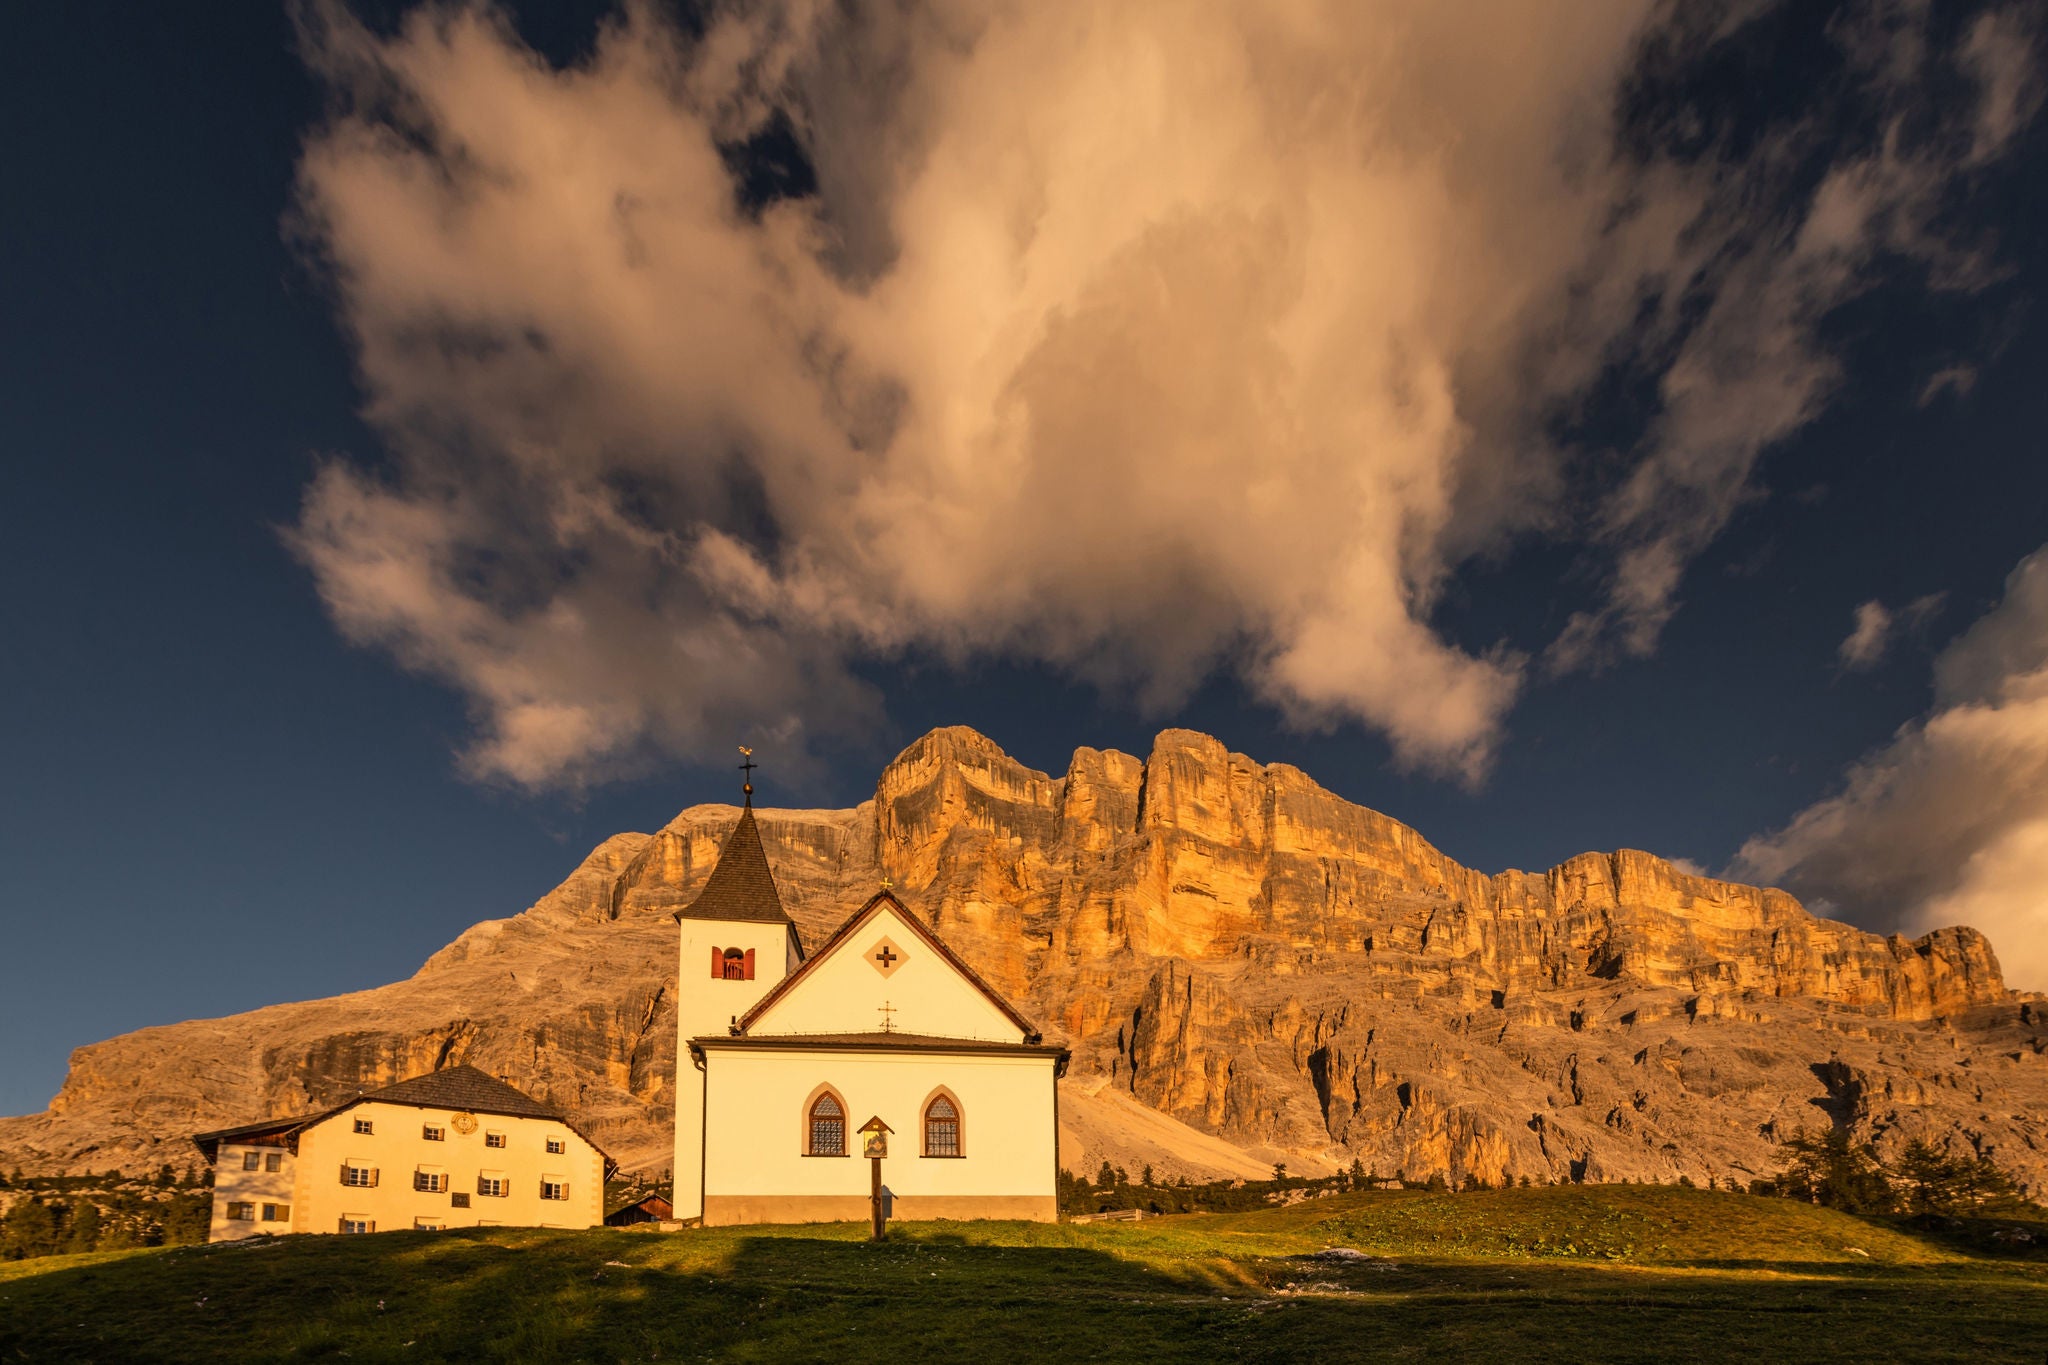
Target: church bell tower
(737,943)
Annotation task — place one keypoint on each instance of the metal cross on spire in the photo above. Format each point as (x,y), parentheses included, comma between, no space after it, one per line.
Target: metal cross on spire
(747,766)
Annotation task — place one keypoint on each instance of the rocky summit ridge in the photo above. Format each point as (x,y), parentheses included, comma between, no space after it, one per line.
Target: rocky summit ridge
(1248,968)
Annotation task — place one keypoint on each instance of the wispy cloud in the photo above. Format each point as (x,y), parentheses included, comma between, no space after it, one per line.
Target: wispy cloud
(1948,823)
(1873,631)
(1877,626)
(1955,379)
(1142,340)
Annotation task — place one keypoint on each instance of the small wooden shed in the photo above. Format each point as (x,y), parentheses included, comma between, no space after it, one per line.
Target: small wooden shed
(655,1208)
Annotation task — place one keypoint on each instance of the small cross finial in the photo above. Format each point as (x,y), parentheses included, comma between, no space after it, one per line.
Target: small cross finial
(888,1013)
(887,881)
(747,766)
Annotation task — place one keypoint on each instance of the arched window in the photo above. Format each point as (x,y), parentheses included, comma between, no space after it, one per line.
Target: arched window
(941,1127)
(731,964)
(827,1127)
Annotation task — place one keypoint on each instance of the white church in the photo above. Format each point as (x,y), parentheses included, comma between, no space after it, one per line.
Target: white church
(783,1057)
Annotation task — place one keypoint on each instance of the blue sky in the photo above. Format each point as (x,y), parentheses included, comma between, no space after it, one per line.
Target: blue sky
(216,797)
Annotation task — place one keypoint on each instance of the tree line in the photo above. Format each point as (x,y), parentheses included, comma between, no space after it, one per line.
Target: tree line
(1829,1169)
(1825,1168)
(55,1215)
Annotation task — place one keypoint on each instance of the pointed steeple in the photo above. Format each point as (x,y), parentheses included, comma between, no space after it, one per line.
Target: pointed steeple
(741,887)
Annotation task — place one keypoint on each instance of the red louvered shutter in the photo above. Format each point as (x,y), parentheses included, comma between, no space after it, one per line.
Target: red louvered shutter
(750,964)
(717,963)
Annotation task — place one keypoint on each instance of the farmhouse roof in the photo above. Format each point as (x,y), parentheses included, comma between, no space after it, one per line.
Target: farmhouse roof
(457,1088)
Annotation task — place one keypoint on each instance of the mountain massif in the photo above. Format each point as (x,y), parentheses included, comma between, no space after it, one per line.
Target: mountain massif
(1248,968)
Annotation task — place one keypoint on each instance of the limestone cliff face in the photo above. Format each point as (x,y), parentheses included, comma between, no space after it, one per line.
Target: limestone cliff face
(1225,942)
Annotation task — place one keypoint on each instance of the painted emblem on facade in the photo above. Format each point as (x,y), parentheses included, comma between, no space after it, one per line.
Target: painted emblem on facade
(885,957)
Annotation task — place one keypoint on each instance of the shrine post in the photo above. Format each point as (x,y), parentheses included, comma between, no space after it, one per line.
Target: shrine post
(876,1147)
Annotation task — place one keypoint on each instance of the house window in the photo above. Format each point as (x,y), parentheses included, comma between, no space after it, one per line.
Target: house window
(364,1126)
(355,1222)
(273,1162)
(493,1186)
(494,1139)
(433,1133)
(362,1177)
(732,964)
(827,1127)
(242,1213)
(429,1224)
(458,1201)
(554,1187)
(941,1127)
(430,1182)
(277,1213)
(556,1146)
(251,1160)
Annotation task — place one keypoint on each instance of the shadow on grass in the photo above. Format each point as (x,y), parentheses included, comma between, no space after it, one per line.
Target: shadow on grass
(2022,1237)
(932,1294)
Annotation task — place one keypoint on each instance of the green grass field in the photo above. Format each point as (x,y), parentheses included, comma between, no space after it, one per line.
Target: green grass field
(1570,1273)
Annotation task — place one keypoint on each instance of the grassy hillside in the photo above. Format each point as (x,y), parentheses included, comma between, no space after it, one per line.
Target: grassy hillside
(1596,1273)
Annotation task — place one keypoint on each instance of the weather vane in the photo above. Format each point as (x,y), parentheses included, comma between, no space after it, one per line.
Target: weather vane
(747,766)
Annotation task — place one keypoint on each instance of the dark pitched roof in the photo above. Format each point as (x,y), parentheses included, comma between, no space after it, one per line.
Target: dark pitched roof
(464,1087)
(903,1042)
(875,906)
(456,1087)
(741,886)
(284,1130)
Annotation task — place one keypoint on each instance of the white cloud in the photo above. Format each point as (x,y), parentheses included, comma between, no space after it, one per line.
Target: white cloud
(1956,379)
(1142,340)
(1948,823)
(1999,53)
(1866,643)
(1877,626)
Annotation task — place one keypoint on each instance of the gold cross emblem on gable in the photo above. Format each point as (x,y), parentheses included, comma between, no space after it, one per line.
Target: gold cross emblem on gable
(885,956)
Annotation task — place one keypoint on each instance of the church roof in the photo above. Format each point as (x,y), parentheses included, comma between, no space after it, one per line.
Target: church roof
(741,886)
(880,901)
(876,1041)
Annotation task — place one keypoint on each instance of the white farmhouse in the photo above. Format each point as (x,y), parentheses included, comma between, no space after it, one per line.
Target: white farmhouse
(451,1149)
(783,1057)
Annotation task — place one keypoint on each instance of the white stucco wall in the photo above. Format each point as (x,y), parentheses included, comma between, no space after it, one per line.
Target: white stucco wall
(759,1100)
(396,1148)
(232,1184)
(706,1007)
(844,992)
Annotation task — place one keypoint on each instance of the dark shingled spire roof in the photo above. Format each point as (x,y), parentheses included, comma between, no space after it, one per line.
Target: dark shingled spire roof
(741,887)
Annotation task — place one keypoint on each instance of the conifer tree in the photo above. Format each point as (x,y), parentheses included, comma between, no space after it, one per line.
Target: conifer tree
(1832,1171)
(84,1234)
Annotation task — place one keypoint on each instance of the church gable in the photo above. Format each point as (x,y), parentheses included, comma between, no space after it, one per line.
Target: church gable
(885,971)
